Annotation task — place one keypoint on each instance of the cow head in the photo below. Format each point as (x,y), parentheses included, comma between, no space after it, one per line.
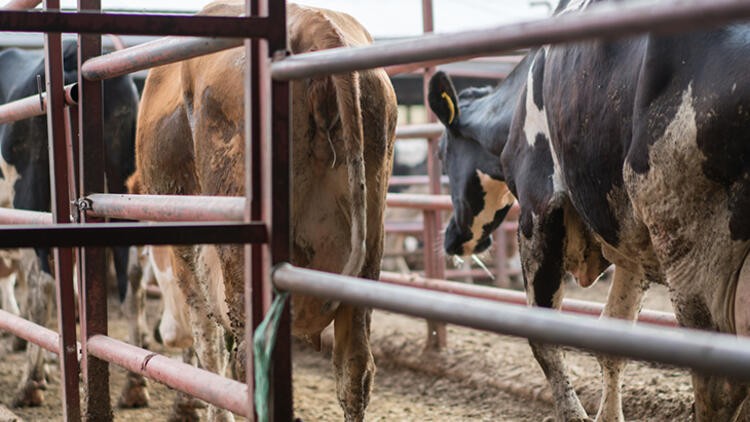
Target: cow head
(479,194)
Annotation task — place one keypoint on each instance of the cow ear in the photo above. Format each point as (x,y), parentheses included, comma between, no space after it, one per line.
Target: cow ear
(442,99)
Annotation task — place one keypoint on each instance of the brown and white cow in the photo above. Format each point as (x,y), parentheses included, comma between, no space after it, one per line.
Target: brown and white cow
(190,141)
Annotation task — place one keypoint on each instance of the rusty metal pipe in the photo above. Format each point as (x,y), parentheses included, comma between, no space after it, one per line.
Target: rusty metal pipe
(515,297)
(135,24)
(413,180)
(153,53)
(14,216)
(123,234)
(419,201)
(707,352)
(31,106)
(21,4)
(223,392)
(166,207)
(27,330)
(425,130)
(608,21)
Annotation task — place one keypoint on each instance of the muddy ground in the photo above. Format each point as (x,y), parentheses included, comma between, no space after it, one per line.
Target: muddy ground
(478,377)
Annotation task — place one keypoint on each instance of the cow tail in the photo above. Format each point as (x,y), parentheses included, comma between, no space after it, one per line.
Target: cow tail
(349,107)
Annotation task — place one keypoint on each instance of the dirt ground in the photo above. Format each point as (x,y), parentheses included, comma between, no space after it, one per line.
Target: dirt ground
(478,377)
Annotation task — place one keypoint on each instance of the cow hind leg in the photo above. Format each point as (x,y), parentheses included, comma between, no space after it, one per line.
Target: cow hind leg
(542,263)
(352,361)
(624,300)
(717,398)
(208,334)
(30,391)
(135,391)
(9,304)
(185,408)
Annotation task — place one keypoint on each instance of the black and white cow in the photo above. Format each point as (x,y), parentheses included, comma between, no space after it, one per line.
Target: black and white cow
(633,152)
(25,163)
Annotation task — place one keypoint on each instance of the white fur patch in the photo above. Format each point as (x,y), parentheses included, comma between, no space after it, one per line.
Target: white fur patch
(496,197)
(574,6)
(9,303)
(7,183)
(536,123)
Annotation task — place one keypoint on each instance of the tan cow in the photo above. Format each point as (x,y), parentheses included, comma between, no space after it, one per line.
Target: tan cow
(190,141)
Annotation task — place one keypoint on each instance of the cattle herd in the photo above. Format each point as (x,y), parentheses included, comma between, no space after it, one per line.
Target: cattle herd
(633,153)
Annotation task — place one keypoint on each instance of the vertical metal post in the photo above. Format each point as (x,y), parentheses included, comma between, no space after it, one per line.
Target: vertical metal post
(93,314)
(60,205)
(501,261)
(257,266)
(71,143)
(279,212)
(434,258)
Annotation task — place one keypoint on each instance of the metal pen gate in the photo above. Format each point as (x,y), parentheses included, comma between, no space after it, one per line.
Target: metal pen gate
(265,215)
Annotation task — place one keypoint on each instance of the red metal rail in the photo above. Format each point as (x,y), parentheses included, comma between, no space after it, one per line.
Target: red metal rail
(42,336)
(214,389)
(13,216)
(34,105)
(515,297)
(419,201)
(153,53)
(135,24)
(166,207)
(20,4)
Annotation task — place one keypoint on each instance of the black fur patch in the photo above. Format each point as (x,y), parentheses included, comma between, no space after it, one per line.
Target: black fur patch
(549,276)
(538,79)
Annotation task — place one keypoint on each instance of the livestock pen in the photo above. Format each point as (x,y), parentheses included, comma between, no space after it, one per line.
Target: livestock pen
(266,222)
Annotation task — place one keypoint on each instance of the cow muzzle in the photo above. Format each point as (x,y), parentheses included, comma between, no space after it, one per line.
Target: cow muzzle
(463,242)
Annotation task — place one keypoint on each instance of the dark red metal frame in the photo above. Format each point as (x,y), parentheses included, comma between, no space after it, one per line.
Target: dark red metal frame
(270,187)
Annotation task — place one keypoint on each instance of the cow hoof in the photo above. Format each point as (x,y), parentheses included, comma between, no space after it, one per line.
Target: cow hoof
(135,393)
(18,344)
(186,410)
(30,395)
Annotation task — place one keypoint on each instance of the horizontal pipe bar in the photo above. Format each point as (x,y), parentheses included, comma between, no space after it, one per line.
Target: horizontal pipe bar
(27,330)
(32,106)
(707,352)
(457,273)
(14,216)
(153,53)
(407,227)
(122,234)
(515,297)
(20,4)
(413,180)
(166,207)
(212,388)
(135,24)
(419,201)
(416,227)
(424,130)
(607,20)
(412,67)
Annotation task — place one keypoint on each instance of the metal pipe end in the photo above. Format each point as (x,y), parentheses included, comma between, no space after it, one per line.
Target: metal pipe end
(279,266)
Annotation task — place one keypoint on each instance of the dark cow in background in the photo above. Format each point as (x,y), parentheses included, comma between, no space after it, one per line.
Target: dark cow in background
(25,163)
(633,152)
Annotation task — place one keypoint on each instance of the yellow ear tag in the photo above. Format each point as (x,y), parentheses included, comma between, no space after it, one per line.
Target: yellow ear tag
(451,107)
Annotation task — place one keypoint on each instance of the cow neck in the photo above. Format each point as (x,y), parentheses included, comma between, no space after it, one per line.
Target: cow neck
(487,118)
